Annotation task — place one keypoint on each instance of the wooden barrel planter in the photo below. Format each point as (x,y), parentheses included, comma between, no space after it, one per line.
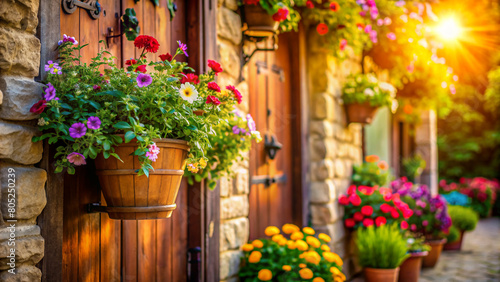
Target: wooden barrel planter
(360,113)
(130,196)
(259,22)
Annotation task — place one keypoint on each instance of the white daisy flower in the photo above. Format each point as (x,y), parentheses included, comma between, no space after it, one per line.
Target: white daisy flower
(188,92)
(368,92)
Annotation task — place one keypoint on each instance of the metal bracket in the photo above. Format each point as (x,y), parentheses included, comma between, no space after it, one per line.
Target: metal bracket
(272,146)
(246,57)
(92,6)
(267,180)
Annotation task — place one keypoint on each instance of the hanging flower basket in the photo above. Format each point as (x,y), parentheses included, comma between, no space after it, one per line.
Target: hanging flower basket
(132,196)
(360,113)
(259,21)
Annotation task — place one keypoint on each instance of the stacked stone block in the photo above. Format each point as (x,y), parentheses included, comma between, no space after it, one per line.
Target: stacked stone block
(19,64)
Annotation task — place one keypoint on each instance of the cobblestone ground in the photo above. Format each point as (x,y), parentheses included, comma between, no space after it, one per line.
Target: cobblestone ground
(479,260)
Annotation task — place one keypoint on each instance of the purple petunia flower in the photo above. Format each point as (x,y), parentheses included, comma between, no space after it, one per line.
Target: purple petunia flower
(251,123)
(144,80)
(53,68)
(94,123)
(236,130)
(67,38)
(50,92)
(76,158)
(183,47)
(77,130)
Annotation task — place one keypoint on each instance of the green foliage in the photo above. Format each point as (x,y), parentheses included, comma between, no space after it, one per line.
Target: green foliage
(363,88)
(114,96)
(371,173)
(453,235)
(416,244)
(381,247)
(130,24)
(229,142)
(463,218)
(413,167)
(272,6)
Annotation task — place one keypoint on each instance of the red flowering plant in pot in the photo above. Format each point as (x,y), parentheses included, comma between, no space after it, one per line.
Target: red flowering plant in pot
(270,15)
(139,123)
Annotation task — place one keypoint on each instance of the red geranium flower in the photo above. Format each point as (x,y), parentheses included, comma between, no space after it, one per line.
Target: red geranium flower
(215,66)
(361,26)
(355,200)
(212,99)
(349,222)
(166,57)
(367,210)
(351,189)
(358,216)
(190,77)
(213,86)
(367,190)
(309,4)
(148,42)
(380,220)
(367,222)
(334,6)
(130,62)
(385,208)
(404,225)
(237,95)
(394,213)
(280,15)
(343,200)
(322,28)
(39,107)
(141,68)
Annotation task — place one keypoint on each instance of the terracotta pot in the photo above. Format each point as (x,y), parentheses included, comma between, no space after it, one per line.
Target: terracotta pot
(199,112)
(455,246)
(409,270)
(434,253)
(360,113)
(381,275)
(130,196)
(259,22)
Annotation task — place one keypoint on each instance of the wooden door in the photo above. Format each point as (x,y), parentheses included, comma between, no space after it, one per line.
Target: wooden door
(274,189)
(94,247)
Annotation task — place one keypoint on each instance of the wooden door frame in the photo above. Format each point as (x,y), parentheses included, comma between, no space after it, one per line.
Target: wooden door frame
(204,204)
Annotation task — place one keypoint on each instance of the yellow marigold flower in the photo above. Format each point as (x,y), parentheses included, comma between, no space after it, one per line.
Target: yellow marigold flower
(276,238)
(335,270)
(297,235)
(325,248)
(257,243)
(301,245)
(247,247)
(372,159)
(286,267)
(254,257)
(302,265)
(338,279)
(342,276)
(312,257)
(306,273)
(336,259)
(203,163)
(291,245)
(265,275)
(313,242)
(282,241)
(318,279)
(324,237)
(290,228)
(271,230)
(308,230)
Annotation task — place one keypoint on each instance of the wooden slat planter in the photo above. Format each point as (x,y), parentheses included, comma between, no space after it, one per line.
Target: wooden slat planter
(130,196)
(360,113)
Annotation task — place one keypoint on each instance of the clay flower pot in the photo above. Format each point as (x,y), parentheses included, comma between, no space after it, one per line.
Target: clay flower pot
(409,270)
(455,246)
(130,196)
(434,253)
(360,113)
(381,275)
(259,22)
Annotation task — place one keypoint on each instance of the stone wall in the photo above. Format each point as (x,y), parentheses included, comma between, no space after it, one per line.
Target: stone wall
(234,225)
(334,145)
(19,64)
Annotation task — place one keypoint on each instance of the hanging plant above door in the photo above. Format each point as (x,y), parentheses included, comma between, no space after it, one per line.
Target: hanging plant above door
(270,16)
(171,6)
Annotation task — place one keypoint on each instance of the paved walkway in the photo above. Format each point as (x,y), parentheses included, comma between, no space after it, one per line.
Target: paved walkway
(479,260)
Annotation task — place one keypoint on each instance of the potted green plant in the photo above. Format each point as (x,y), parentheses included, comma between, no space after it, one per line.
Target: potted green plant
(381,251)
(464,219)
(267,16)
(409,271)
(363,94)
(413,167)
(372,172)
(138,123)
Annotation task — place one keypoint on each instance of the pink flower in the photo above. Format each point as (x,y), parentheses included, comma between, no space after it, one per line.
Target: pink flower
(425,223)
(213,86)
(153,152)
(391,36)
(213,100)
(144,80)
(280,15)
(343,44)
(76,158)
